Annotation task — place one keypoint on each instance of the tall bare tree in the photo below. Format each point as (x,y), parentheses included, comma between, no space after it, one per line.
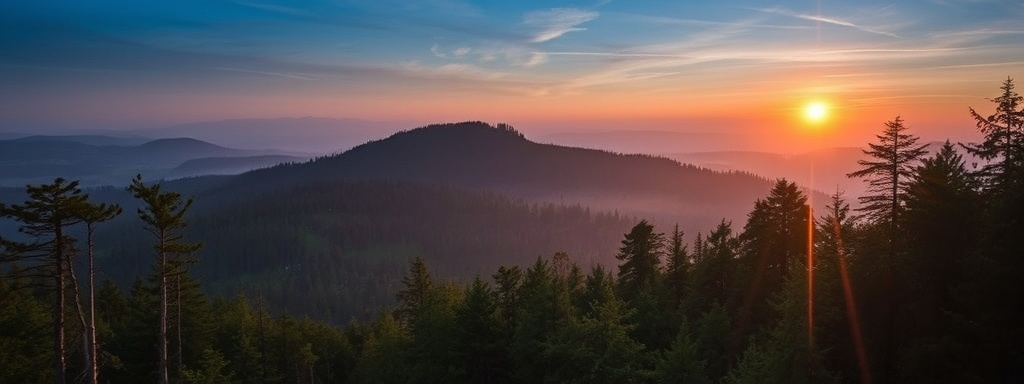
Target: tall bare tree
(93,214)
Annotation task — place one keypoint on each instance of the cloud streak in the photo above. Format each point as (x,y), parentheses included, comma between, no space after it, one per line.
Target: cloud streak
(826,20)
(556,22)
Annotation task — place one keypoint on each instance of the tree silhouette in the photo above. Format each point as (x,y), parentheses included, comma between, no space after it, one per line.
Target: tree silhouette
(1003,146)
(45,217)
(889,172)
(163,216)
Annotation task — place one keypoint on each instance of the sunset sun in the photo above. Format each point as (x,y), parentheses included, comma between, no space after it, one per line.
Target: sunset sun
(815,112)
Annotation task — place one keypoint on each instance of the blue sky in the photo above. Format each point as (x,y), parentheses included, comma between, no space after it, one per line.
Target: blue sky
(684,65)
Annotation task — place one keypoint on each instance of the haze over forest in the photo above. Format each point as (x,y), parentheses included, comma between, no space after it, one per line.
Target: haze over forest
(462,191)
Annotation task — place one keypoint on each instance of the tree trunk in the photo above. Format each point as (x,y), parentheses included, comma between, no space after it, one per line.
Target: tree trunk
(162,339)
(58,309)
(81,316)
(177,324)
(93,348)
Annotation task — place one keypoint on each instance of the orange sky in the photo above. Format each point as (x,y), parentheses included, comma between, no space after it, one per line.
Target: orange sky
(737,68)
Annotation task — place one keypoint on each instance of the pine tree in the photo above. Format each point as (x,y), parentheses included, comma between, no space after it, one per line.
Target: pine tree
(479,350)
(677,269)
(1003,146)
(414,296)
(942,204)
(163,216)
(683,363)
(990,296)
(889,173)
(46,217)
(640,254)
(773,241)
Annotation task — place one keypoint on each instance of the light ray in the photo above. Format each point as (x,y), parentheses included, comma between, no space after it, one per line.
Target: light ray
(851,307)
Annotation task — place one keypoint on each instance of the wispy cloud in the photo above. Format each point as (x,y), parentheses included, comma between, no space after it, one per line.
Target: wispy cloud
(268,73)
(455,53)
(275,8)
(555,22)
(826,20)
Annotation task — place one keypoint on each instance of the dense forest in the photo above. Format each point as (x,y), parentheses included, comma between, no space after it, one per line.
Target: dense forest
(919,283)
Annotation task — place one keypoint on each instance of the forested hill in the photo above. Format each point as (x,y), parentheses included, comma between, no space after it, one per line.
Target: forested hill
(499,159)
(331,237)
(337,250)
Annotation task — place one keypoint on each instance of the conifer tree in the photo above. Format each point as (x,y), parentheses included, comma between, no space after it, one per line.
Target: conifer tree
(640,254)
(45,217)
(677,269)
(889,172)
(1003,145)
(414,296)
(163,216)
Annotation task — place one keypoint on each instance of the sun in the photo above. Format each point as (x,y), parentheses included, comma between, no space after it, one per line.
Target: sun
(815,112)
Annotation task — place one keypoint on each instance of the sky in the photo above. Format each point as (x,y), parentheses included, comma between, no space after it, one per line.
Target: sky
(741,68)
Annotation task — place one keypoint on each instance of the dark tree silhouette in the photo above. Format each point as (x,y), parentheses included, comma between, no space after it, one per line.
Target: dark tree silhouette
(640,254)
(1003,145)
(889,172)
(45,217)
(163,216)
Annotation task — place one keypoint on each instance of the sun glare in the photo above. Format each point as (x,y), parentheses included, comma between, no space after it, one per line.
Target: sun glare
(815,112)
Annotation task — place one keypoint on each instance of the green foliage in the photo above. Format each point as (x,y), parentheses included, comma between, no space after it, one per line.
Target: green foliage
(774,241)
(683,363)
(24,323)
(640,254)
(210,370)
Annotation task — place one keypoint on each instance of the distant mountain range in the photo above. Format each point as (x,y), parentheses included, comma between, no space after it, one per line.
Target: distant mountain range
(108,160)
(304,135)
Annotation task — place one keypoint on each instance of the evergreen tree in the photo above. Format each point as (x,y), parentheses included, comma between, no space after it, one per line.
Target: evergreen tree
(785,353)
(163,216)
(888,173)
(508,281)
(991,313)
(942,204)
(774,239)
(540,314)
(46,218)
(480,351)
(383,358)
(640,254)
(683,363)
(417,285)
(598,348)
(1003,146)
(23,333)
(678,269)
(712,277)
